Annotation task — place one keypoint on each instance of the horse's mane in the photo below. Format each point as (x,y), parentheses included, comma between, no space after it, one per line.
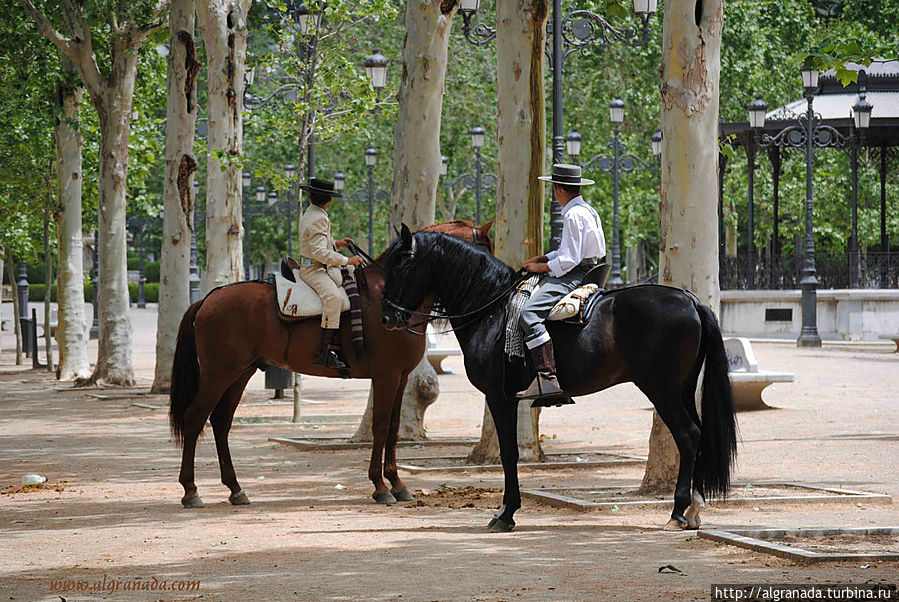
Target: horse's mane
(467,273)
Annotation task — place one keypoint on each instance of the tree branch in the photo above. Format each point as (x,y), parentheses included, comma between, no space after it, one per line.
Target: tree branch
(47,30)
(157,19)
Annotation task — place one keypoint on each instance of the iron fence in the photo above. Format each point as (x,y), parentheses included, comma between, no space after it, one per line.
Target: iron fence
(875,270)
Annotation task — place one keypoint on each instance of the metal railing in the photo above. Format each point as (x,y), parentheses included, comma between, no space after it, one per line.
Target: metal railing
(875,270)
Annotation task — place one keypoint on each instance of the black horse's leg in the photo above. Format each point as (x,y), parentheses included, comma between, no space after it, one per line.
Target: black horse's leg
(220,419)
(398,488)
(385,388)
(686,435)
(505,418)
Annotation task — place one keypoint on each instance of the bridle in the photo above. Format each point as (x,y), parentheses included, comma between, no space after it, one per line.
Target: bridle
(437,314)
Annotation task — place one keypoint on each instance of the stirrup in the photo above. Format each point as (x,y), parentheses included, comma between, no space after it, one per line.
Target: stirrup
(543,387)
(330,358)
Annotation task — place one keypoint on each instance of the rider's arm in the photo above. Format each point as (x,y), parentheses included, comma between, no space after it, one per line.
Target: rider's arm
(319,246)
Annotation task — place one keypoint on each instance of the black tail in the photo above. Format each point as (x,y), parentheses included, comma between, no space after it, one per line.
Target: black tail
(185,373)
(718,442)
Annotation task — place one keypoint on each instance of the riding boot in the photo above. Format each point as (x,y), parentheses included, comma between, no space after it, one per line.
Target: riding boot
(331,353)
(545,390)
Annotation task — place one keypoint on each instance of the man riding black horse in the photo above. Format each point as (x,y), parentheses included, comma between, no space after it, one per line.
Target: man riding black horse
(583,243)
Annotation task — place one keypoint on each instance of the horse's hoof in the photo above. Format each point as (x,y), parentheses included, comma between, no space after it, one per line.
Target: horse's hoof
(193,501)
(384,497)
(239,499)
(498,525)
(694,522)
(675,525)
(403,495)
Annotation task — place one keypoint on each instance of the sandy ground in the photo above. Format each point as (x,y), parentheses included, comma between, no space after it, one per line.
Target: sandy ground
(111,506)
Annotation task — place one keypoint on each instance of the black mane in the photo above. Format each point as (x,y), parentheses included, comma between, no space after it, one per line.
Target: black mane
(464,275)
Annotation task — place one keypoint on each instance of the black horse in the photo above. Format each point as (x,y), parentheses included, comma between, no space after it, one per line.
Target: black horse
(657,337)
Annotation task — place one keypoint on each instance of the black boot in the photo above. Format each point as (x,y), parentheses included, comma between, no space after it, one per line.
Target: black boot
(545,390)
(331,353)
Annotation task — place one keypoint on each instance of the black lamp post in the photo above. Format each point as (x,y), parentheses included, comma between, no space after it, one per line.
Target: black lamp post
(194,269)
(246,213)
(289,173)
(861,120)
(757,110)
(477,141)
(570,33)
(616,163)
(807,133)
(481,182)
(140,223)
(95,277)
(368,194)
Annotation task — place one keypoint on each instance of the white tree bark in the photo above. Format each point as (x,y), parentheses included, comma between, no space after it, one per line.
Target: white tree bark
(71,330)
(521,140)
(688,249)
(111,93)
(180,165)
(416,168)
(416,139)
(223,24)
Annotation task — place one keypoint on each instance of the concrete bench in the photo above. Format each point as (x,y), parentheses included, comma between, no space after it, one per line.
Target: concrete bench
(892,337)
(436,353)
(747,381)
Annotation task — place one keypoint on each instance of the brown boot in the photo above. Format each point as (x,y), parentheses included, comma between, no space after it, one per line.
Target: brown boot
(545,390)
(331,353)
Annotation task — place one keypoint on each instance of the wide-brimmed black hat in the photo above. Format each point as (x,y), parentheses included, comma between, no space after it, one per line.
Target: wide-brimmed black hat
(563,173)
(320,187)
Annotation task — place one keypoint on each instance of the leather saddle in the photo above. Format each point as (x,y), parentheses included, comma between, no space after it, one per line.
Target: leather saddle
(577,306)
(296,299)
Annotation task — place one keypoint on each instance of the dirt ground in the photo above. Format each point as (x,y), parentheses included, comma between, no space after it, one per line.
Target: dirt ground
(110,509)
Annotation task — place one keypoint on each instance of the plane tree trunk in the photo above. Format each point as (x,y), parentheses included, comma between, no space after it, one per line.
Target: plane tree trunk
(688,248)
(521,140)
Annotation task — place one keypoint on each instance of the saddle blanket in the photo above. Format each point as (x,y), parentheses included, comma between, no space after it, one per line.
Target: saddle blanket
(571,308)
(299,300)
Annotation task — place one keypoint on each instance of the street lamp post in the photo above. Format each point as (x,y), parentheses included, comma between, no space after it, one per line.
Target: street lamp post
(289,173)
(371,156)
(479,181)
(194,269)
(246,213)
(861,119)
(616,163)
(367,194)
(477,141)
(95,276)
(807,133)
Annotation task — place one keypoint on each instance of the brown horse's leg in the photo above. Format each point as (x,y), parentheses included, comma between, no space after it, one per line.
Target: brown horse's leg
(398,488)
(221,419)
(384,392)
(195,417)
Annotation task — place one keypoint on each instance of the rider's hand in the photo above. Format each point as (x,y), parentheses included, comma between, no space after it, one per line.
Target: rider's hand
(354,260)
(536,267)
(343,242)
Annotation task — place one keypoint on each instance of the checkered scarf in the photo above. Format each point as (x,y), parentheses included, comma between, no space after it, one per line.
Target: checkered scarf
(514,345)
(352,291)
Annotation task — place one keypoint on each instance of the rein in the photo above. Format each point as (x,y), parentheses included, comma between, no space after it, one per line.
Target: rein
(355,250)
(521,276)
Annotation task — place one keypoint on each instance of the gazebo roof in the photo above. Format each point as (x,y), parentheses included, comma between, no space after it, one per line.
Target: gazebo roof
(833,103)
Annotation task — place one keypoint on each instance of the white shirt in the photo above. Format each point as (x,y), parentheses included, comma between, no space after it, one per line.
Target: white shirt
(582,238)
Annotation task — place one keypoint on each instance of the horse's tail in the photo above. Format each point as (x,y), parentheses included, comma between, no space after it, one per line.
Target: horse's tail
(185,373)
(718,441)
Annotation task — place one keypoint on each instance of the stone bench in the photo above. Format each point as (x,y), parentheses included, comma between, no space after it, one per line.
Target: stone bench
(892,337)
(747,381)
(436,353)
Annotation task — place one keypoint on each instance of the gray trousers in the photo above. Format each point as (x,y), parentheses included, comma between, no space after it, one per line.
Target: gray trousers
(537,308)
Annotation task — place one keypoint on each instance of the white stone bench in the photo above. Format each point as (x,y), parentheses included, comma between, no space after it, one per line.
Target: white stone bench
(747,381)
(436,354)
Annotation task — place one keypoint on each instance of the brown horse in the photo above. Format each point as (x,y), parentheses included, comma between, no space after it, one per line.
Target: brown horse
(235,329)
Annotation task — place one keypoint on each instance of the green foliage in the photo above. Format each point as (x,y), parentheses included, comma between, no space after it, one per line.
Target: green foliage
(151,292)
(151,271)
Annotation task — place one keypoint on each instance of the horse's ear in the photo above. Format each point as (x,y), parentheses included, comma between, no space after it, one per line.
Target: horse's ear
(485,228)
(396,231)
(406,234)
